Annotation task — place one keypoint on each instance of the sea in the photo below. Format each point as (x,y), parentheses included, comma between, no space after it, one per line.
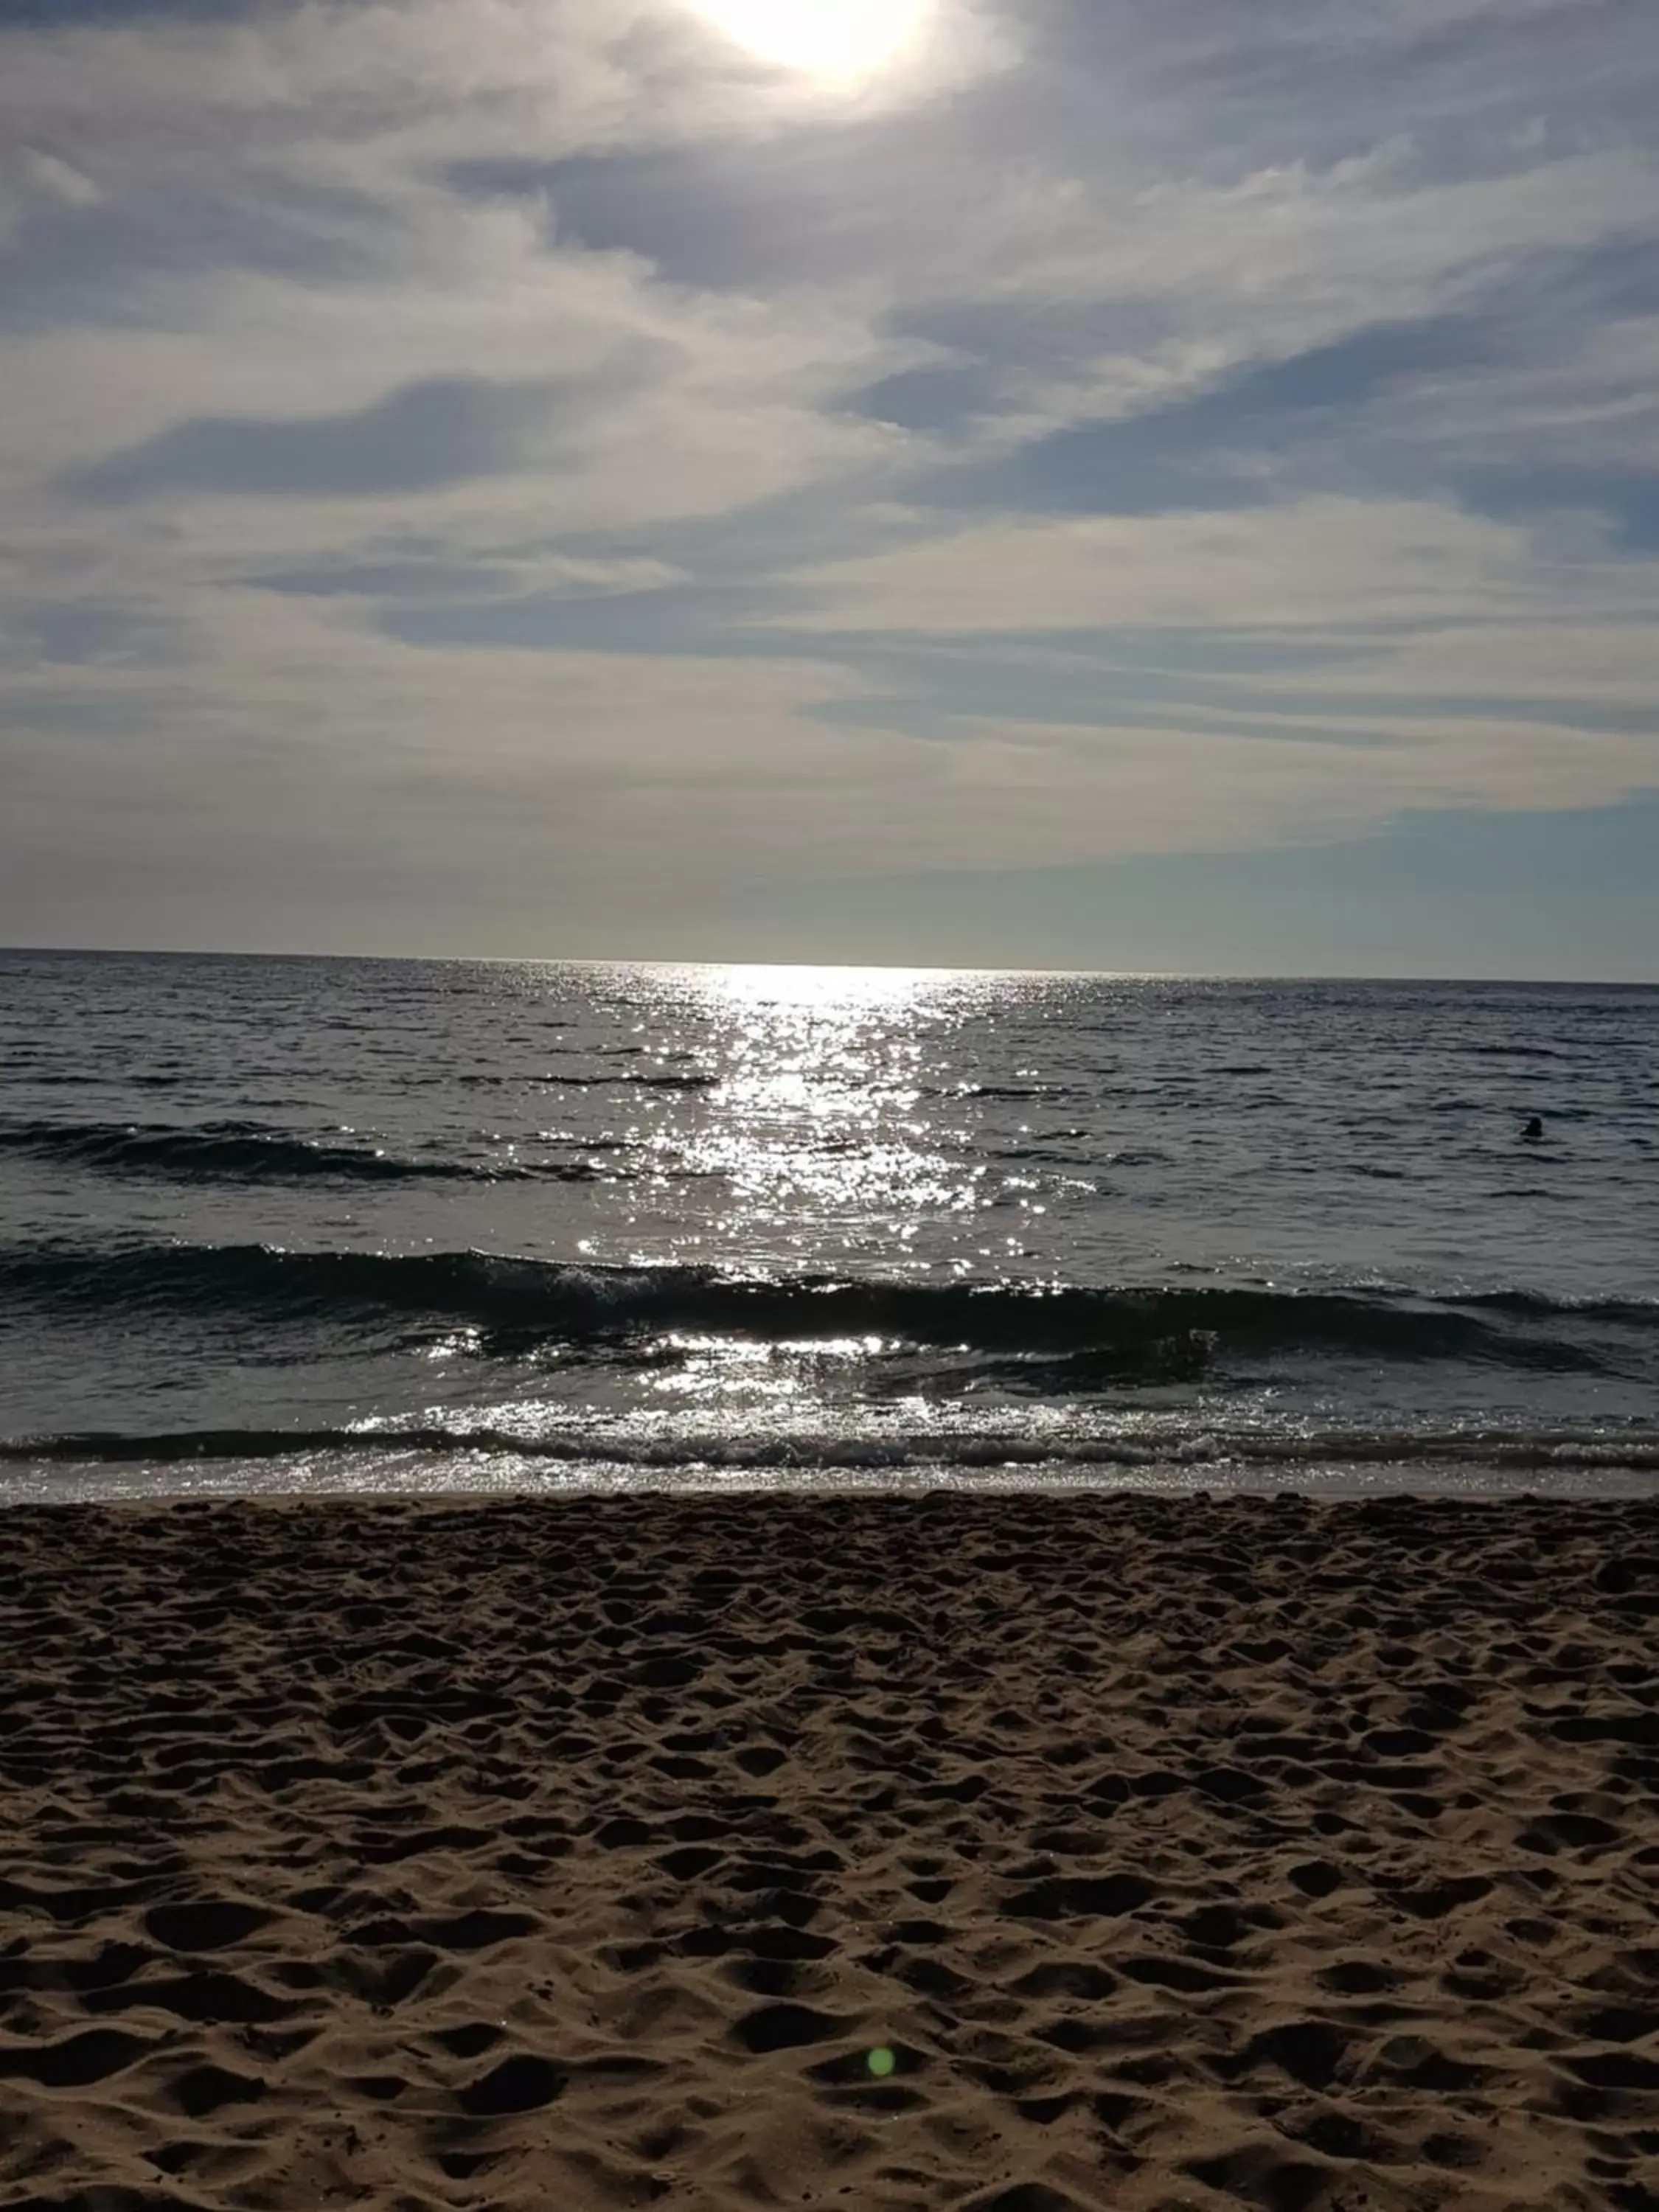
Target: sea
(292,1226)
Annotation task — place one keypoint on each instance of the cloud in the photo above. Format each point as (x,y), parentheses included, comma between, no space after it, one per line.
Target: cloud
(425,574)
(53,180)
(422,438)
(1320,564)
(1215,449)
(537,452)
(81,633)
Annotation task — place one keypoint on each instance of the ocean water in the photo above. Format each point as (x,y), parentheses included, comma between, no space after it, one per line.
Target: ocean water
(296,1225)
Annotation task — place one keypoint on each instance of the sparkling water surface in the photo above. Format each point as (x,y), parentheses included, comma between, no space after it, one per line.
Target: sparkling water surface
(264,1222)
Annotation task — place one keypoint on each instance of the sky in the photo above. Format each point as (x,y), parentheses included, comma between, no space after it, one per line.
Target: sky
(1055,483)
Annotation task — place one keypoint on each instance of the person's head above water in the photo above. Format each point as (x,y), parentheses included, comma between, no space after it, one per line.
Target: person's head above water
(1534,1127)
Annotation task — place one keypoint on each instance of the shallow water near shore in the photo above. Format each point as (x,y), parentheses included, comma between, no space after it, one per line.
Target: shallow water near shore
(286,1225)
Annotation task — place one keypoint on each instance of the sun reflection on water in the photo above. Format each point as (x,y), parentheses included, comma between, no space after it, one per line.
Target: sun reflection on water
(793,1127)
(812,1121)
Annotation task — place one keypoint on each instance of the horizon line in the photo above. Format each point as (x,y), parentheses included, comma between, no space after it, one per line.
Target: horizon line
(870,967)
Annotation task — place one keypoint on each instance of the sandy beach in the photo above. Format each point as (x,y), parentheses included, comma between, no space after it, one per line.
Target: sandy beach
(1017,1854)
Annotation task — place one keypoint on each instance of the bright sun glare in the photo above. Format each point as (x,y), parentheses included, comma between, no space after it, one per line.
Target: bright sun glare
(840,39)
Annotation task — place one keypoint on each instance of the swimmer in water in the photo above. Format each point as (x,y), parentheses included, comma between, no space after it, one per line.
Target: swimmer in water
(1534,1131)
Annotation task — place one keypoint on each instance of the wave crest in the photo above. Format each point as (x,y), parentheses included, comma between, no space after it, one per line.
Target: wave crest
(245,1152)
(1515,1451)
(1155,1332)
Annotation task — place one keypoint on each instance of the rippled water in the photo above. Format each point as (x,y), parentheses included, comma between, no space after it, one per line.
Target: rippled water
(407,1223)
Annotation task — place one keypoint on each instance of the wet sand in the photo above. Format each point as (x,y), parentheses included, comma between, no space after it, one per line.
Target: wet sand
(579,1855)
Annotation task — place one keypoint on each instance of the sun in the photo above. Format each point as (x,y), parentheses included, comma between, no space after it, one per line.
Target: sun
(834,39)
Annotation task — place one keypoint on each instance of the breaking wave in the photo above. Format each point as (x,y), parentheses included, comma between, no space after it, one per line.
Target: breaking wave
(1512,1451)
(1157,1332)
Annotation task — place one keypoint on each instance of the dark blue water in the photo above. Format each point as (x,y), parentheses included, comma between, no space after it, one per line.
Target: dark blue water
(298,1224)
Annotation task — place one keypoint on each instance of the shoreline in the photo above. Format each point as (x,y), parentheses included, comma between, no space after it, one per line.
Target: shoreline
(439,1852)
(1584,1471)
